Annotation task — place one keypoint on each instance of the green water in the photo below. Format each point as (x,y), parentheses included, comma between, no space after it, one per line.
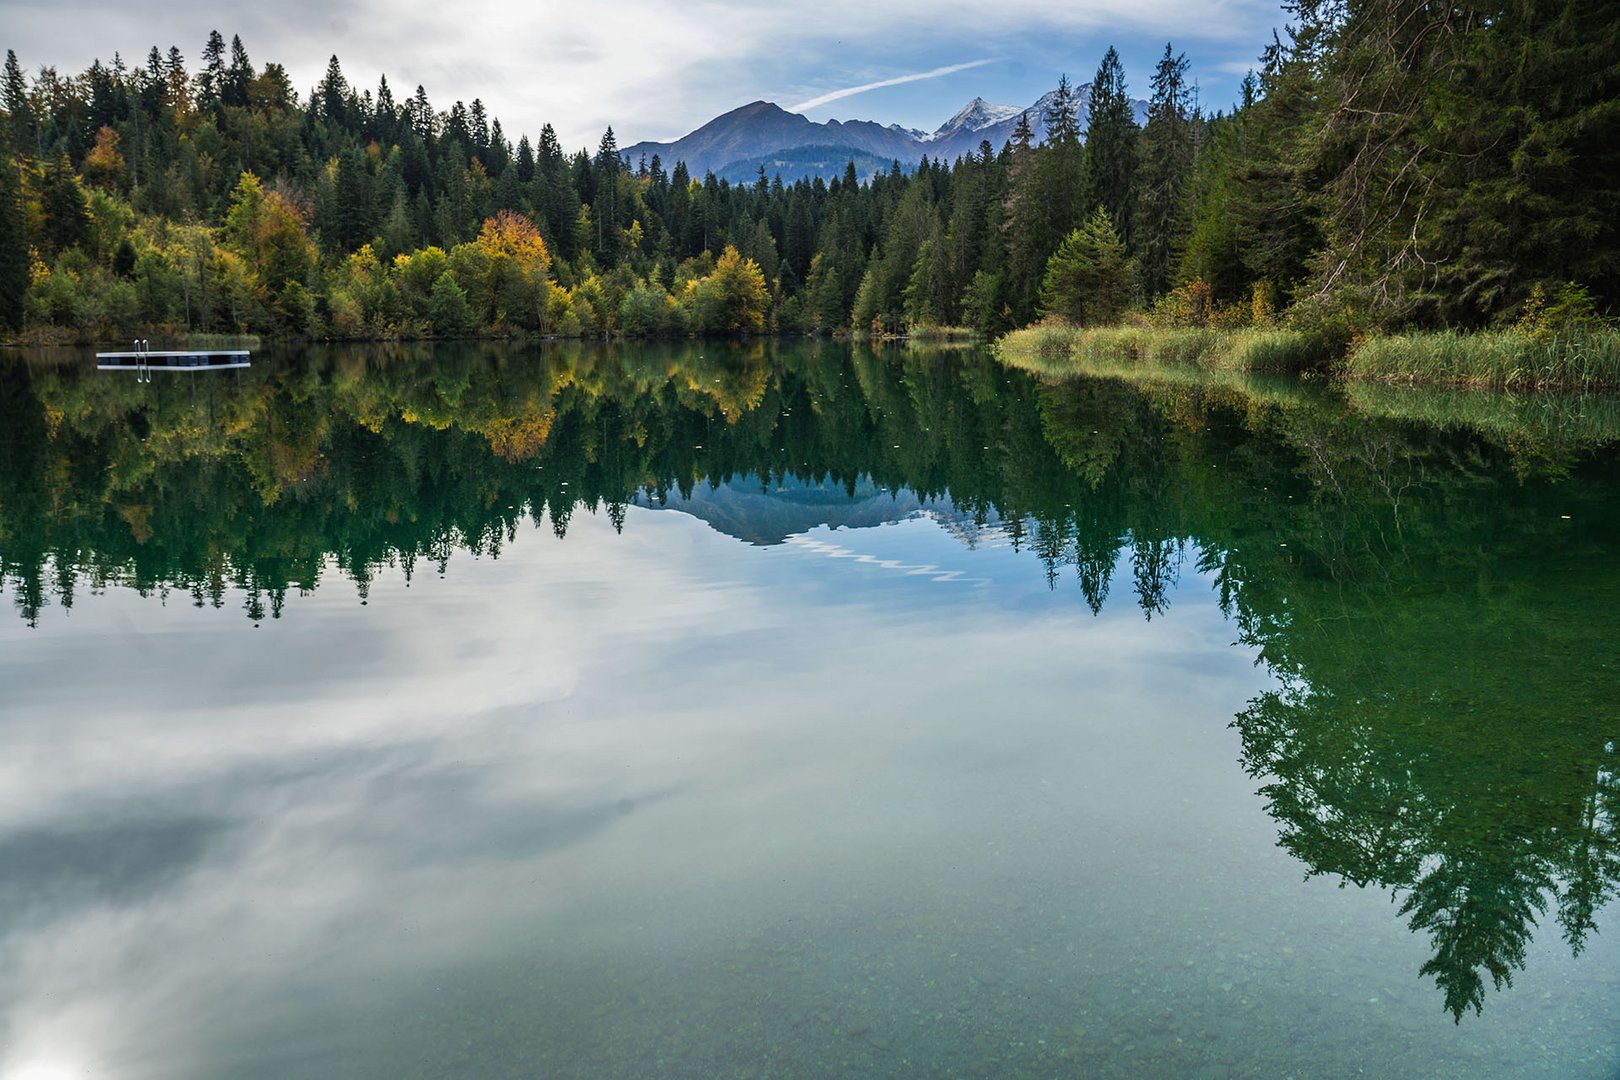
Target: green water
(800,710)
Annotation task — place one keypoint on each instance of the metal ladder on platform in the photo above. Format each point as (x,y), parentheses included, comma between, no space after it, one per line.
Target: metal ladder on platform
(143,367)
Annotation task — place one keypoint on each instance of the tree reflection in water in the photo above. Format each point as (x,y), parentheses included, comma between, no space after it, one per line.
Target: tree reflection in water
(1433,581)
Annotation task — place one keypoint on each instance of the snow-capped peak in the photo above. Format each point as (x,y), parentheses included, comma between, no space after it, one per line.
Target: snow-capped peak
(975,116)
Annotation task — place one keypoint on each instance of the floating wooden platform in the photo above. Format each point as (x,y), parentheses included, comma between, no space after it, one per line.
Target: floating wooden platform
(177,360)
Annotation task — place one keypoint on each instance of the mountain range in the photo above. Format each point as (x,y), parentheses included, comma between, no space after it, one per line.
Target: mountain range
(768,511)
(735,145)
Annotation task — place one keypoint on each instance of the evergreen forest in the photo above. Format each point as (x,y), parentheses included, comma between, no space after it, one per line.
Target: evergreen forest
(1389,166)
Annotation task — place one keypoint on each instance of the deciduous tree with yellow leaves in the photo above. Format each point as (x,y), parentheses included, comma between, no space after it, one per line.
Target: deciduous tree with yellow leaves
(268,231)
(731,298)
(506,271)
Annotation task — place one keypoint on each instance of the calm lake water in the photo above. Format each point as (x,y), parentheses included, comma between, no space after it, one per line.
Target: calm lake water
(800,710)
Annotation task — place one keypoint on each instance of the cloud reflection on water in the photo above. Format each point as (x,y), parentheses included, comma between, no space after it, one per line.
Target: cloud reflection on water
(247,833)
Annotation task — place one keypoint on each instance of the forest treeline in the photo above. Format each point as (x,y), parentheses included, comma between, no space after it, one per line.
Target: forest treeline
(1387,165)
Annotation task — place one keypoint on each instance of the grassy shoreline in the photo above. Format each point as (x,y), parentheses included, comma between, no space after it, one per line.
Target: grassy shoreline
(1585,360)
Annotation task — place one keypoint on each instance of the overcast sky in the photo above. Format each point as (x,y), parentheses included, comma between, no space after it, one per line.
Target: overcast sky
(655,70)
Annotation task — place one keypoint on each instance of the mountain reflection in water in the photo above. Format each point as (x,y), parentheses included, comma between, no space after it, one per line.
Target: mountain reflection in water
(1434,586)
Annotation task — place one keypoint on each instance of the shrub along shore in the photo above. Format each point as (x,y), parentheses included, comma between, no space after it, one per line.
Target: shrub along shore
(1583,358)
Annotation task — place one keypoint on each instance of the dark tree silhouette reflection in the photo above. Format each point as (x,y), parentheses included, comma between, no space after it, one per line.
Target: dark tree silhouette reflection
(1439,601)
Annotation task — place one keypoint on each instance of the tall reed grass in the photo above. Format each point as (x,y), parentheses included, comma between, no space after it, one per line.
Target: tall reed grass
(1261,349)
(217,341)
(931,332)
(1265,387)
(1581,359)
(1574,360)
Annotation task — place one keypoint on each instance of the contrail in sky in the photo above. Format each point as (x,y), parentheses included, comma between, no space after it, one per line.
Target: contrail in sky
(849,90)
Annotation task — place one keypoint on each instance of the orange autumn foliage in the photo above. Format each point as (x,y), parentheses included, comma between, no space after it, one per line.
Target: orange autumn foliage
(515,237)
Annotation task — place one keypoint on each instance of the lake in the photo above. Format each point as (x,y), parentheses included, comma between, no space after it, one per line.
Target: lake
(801,709)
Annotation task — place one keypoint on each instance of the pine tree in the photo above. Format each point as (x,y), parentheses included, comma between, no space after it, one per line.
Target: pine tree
(332,94)
(499,153)
(20,111)
(605,204)
(1026,223)
(525,160)
(1110,158)
(447,309)
(178,83)
(422,117)
(1518,151)
(211,79)
(386,113)
(238,75)
(478,128)
(1166,164)
(398,232)
(66,214)
(1060,168)
(104,97)
(1216,235)
(13,239)
(1275,217)
(928,293)
(1089,279)
(967,235)
(354,219)
(1060,119)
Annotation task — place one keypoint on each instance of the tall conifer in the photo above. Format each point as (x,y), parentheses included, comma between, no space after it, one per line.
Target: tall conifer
(13,239)
(1110,158)
(1166,164)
